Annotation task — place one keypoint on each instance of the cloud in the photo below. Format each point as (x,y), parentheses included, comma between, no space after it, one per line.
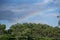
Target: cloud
(18,10)
(6,15)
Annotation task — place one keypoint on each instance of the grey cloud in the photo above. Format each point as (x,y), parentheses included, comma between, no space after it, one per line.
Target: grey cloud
(6,15)
(13,12)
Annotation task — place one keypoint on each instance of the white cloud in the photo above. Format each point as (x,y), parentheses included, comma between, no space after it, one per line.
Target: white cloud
(28,9)
(51,15)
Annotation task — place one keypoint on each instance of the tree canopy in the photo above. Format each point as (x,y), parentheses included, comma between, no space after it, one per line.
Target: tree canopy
(29,31)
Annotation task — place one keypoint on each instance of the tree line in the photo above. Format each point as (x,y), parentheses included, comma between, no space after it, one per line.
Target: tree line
(29,31)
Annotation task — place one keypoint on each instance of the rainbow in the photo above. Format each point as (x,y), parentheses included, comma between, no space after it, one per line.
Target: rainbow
(33,14)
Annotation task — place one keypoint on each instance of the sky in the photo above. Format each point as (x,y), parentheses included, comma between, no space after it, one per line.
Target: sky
(29,11)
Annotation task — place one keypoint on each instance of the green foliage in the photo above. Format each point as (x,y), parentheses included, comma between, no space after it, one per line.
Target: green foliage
(4,37)
(30,31)
(2,29)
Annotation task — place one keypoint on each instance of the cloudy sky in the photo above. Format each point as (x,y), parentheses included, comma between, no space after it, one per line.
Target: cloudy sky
(29,11)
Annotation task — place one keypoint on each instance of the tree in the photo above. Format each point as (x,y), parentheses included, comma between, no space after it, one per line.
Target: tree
(30,31)
(2,29)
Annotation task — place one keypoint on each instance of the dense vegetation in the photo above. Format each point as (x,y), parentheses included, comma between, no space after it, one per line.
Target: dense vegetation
(29,31)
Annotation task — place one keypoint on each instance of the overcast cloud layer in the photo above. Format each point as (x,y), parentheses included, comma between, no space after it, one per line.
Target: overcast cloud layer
(28,10)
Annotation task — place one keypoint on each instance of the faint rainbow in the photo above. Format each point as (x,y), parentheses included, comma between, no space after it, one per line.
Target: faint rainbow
(32,14)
